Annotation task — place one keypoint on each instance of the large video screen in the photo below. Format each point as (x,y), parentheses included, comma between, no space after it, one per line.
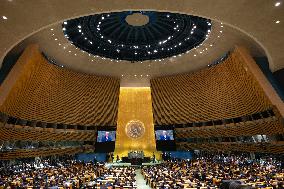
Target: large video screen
(164,135)
(106,136)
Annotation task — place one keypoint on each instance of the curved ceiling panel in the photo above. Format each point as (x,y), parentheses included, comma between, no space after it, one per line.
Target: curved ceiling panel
(137,35)
(41,22)
(39,14)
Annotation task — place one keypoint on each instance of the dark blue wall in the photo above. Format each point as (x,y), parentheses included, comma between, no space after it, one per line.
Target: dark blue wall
(181,154)
(101,157)
(263,64)
(279,76)
(7,64)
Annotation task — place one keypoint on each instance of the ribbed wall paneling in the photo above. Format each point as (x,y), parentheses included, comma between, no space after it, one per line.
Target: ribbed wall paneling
(49,93)
(277,148)
(26,153)
(226,90)
(268,126)
(7,134)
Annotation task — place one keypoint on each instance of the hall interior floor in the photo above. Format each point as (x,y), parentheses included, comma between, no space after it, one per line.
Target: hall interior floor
(141,183)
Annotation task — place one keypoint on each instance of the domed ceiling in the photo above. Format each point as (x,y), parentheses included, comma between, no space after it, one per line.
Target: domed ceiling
(248,23)
(137,35)
(166,42)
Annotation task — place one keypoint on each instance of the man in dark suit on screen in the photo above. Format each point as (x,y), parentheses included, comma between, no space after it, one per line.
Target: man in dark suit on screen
(106,137)
(165,136)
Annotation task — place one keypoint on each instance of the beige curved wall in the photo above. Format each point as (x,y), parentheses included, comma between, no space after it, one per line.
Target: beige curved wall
(38,90)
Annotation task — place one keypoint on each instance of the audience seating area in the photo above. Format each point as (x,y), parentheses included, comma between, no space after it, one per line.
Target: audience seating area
(208,172)
(203,171)
(65,173)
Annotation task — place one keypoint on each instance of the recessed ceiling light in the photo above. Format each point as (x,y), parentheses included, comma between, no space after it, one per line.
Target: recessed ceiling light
(4,17)
(277,4)
(75,54)
(194,55)
(51,29)
(222,26)
(211,45)
(218,36)
(277,22)
(59,44)
(122,75)
(221,31)
(69,51)
(55,39)
(65,23)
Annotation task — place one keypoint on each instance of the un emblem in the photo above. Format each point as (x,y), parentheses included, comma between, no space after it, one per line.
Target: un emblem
(135,129)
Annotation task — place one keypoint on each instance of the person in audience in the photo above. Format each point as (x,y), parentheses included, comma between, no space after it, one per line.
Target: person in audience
(153,158)
(117,158)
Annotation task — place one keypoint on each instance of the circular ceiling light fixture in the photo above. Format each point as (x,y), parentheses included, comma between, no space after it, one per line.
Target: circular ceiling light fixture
(137,35)
(137,19)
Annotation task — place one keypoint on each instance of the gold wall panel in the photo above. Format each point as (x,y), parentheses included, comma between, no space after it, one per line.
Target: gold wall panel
(135,104)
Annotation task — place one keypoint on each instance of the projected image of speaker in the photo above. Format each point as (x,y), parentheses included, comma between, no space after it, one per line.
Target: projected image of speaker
(106,136)
(105,140)
(165,138)
(233,184)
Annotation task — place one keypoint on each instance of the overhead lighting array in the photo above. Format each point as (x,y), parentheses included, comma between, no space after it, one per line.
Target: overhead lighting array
(198,50)
(277,4)
(117,51)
